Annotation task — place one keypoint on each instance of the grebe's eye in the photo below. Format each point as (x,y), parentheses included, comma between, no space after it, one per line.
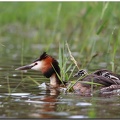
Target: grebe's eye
(35,64)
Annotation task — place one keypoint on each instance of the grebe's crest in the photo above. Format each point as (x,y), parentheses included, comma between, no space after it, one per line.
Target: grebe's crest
(43,56)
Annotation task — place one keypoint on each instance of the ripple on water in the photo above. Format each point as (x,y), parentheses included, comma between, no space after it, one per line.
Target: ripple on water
(78,116)
(18,94)
(35,102)
(59,113)
(83,104)
(1,68)
(14,75)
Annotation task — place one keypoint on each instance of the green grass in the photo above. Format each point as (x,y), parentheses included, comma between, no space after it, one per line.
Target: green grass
(87,26)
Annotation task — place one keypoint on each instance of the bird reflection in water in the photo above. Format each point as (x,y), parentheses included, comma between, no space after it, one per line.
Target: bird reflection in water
(48,108)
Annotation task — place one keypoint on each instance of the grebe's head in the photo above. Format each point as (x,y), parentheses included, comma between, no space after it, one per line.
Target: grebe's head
(45,63)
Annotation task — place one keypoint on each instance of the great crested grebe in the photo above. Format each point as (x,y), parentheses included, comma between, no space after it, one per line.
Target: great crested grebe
(50,69)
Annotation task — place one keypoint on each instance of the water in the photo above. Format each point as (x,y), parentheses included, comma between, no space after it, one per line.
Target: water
(20,97)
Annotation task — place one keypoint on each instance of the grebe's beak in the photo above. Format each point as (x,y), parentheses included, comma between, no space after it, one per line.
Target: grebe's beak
(38,64)
(26,67)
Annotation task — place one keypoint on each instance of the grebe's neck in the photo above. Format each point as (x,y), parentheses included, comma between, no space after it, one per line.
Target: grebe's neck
(55,81)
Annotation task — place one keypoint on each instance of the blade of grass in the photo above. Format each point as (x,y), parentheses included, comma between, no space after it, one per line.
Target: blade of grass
(74,82)
(104,9)
(55,25)
(102,27)
(114,50)
(71,57)
(8,83)
(114,54)
(17,85)
(2,45)
(58,75)
(33,80)
(71,72)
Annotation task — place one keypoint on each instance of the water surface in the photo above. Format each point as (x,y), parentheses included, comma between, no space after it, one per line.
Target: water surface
(20,97)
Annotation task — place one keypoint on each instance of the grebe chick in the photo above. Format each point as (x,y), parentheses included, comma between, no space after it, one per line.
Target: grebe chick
(107,79)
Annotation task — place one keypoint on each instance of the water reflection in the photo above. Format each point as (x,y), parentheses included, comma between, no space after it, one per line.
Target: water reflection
(45,106)
(25,105)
